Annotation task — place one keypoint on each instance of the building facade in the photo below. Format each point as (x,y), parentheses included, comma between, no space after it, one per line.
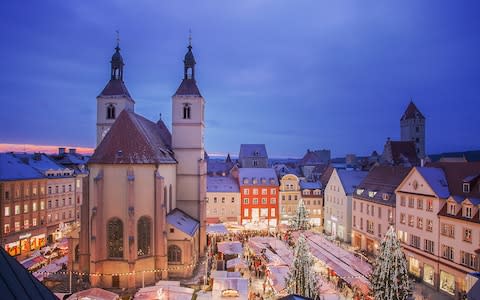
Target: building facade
(338,202)
(289,194)
(145,214)
(23,210)
(412,128)
(311,193)
(253,156)
(373,207)
(223,200)
(259,193)
(437,222)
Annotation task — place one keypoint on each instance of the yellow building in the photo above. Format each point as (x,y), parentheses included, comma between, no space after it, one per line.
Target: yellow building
(289,195)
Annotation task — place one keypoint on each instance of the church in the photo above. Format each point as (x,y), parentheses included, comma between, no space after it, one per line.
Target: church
(145,217)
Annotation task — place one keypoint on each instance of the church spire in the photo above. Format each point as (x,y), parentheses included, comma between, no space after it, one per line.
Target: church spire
(117,62)
(189,61)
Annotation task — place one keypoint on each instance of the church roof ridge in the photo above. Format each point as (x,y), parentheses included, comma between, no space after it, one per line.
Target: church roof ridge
(133,139)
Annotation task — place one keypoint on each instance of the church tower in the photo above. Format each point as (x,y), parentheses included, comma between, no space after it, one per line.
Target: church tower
(114,98)
(188,127)
(412,128)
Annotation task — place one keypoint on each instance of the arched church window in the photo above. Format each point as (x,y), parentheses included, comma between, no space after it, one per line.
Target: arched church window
(144,236)
(186,110)
(174,254)
(115,238)
(110,111)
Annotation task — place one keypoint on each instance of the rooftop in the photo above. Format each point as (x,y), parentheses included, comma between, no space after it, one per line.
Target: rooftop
(182,221)
(133,139)
(350,179)
(257,173)
(252,150)
(12,168)
(222,184)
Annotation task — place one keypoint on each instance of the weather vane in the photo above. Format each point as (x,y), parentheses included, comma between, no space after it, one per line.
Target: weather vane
(118,37)
(190,37)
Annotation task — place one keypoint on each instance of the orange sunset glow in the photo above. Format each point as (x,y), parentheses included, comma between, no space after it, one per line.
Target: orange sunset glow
(41,148)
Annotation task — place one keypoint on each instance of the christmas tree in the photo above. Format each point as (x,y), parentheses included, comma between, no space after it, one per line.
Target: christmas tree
(300,220)
(302,279)
(389,279)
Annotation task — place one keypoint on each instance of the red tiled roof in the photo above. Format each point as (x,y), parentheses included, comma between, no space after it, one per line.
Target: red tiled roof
(115,87)
(412,112)
(188,87)
(456,172)
(133,139)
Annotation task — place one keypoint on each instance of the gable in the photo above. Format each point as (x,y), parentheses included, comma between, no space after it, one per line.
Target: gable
(414,183)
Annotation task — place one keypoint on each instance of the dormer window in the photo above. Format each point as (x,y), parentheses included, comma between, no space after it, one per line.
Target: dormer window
(272,181)
(264,181)
(254,181)
(451,208)
(371,194)
(245,180)
(467,211)
(186,111)
(385,196)
(466,187)
(110,112)
(360,191)
(256,153)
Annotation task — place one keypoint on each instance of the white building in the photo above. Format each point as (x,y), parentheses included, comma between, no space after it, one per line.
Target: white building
(223,199)
(338,202)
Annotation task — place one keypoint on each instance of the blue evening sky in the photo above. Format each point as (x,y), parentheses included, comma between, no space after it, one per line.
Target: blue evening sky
(290,74)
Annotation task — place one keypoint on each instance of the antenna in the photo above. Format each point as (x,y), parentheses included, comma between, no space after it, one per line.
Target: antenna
(190,37)
(118,37)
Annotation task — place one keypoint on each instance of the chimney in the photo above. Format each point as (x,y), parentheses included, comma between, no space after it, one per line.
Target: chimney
(61,151)
(72,150)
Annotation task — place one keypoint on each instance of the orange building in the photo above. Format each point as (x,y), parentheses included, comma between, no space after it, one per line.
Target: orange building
(259,207)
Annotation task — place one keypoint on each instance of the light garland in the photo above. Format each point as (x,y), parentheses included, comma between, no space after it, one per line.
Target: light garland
(120,274)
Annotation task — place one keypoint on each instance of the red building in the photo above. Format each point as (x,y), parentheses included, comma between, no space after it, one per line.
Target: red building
(259,207)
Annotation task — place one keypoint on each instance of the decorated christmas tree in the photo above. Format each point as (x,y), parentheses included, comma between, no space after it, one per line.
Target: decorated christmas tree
(302,279)
(389,279)
(300,220)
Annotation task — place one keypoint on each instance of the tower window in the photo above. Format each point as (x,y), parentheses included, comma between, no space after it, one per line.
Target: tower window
(186,111)
(417,129)
(110,112)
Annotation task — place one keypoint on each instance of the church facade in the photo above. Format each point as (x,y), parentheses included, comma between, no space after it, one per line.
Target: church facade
(145,218)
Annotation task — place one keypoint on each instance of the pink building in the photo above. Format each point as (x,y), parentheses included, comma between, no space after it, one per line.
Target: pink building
(438,222)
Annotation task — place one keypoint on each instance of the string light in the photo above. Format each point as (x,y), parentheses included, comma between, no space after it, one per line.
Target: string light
(122,274)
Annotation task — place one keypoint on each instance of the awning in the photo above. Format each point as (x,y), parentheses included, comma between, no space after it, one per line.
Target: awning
(33,261)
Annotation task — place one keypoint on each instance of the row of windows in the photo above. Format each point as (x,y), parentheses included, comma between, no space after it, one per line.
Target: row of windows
(263,191)
(370,226)
(262,212)
(416,242)
(315,192)
(420,203)
(449,231)
(467,210)
(290,197)
(419,222)
(57,190)
(255,201)
(215,200)
(334,200)
(27,191)
(255,181)
(26,208)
